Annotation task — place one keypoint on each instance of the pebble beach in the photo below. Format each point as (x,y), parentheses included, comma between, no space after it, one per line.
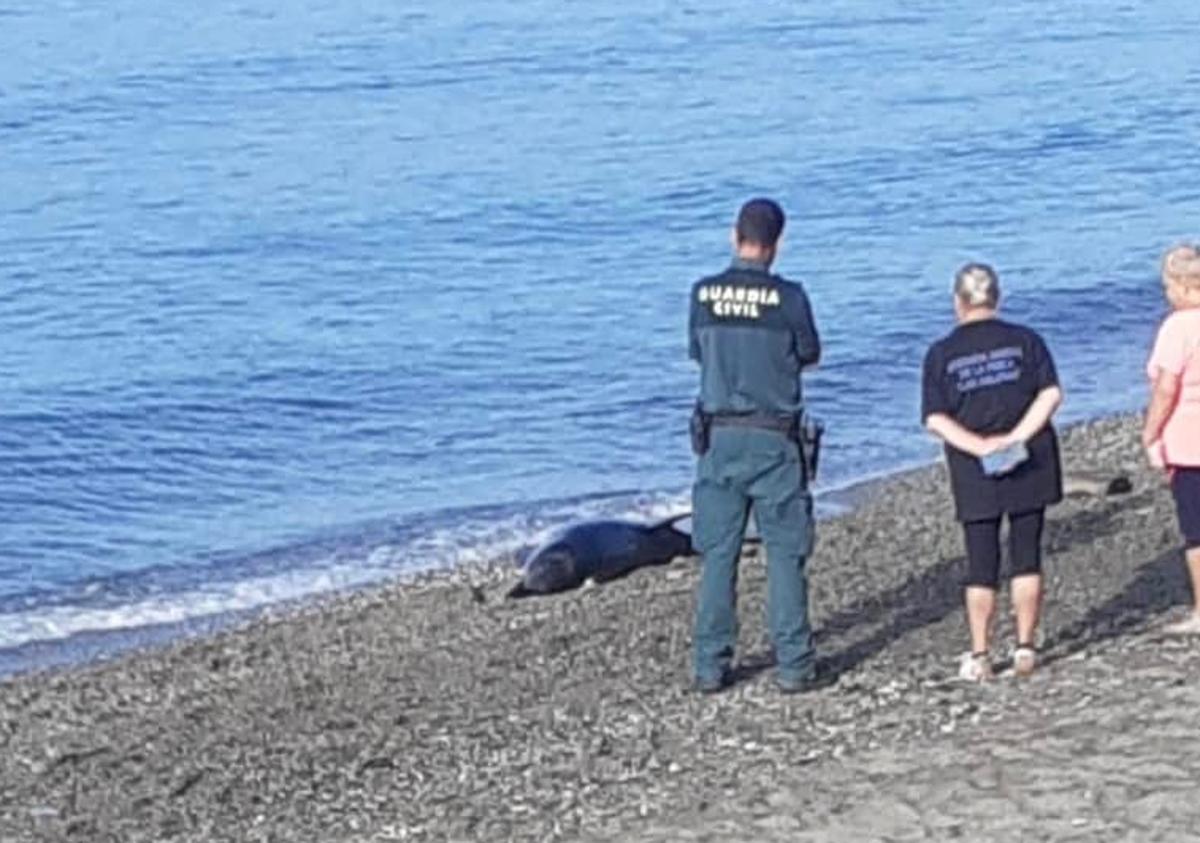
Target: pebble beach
(436,709)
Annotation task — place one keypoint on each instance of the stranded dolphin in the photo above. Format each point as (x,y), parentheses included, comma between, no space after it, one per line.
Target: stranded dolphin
(600,551)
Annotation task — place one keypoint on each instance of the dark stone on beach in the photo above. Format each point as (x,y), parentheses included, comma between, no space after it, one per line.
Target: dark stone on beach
(1119,486)
(377,764)
(1085,484)
(187,784)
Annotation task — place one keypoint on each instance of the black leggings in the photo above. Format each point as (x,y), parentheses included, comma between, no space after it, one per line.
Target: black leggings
(1185,483)
(1024,547)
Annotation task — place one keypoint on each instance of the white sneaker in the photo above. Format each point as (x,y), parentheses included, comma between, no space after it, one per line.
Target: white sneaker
(1024,660)
(974,667)
(1188,626)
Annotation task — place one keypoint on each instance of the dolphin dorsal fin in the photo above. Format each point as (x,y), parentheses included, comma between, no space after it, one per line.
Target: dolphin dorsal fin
(671,521)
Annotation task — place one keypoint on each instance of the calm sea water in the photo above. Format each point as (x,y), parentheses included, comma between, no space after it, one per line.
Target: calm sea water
(299,295)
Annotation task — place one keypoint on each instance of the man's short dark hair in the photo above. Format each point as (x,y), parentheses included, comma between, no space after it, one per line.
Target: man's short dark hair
(760,221)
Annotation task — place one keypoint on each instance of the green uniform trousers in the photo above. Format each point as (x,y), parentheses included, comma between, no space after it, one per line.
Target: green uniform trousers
(744,468)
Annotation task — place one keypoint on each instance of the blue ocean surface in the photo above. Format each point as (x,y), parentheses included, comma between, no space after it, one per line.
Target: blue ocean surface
(298,296)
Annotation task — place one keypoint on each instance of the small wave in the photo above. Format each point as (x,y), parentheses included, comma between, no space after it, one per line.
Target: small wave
(368,554)
(355,558)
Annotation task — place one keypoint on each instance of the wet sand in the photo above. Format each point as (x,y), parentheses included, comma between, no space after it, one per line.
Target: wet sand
(439,710)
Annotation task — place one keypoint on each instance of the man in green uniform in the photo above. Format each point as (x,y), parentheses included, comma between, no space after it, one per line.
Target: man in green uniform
(752,333)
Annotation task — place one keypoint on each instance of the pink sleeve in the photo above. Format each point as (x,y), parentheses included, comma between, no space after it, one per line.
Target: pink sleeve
(1170,348)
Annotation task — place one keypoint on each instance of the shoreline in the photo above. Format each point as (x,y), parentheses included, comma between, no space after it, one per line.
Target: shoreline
(437,710)
(104,645)
(95,646)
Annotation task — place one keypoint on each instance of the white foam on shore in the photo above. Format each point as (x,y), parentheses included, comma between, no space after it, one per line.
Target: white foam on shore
(357,564)
(337,569)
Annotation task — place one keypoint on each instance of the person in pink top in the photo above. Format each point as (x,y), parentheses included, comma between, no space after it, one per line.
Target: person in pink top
(1171,434)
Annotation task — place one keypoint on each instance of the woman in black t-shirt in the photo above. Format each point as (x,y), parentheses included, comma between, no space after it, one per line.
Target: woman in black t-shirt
(989,389)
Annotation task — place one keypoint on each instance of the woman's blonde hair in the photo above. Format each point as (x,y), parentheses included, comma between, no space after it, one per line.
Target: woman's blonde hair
(1181,265)
(976,285)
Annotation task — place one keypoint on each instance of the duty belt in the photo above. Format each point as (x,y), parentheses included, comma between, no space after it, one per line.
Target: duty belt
(802,428)
(780,424)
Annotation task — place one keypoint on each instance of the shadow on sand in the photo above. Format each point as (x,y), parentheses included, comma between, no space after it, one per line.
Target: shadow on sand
(1156,587)
(931,595)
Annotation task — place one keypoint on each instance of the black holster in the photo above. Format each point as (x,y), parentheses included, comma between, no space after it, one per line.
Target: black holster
(808,433)
(700,430)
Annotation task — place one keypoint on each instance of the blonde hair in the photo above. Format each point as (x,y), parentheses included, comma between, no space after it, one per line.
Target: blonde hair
(976,285)
(1181,265)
